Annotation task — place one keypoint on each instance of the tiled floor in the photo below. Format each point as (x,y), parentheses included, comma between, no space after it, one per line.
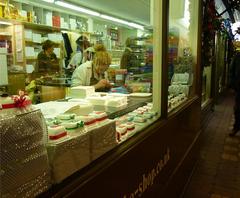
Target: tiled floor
(217,174)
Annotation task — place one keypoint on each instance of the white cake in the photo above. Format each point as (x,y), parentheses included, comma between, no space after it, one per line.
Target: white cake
(116,102)
(81,91)
(99,115)
(84,109)
(99,100)
(70,125)
(139,119)
(88,120)
(56,132)
(130,126)
(147,115)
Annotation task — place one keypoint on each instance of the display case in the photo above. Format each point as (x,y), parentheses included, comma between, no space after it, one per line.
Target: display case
(125,137)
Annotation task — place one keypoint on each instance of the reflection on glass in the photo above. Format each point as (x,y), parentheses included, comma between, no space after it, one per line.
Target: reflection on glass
(182,51)
(136,61)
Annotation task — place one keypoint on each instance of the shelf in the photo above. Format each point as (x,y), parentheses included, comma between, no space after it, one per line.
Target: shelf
(32,42)
(5,34)
(37,43)
(41,27)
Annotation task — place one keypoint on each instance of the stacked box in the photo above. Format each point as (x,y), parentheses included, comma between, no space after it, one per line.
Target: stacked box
(102,139)
(68,156)
(24,163)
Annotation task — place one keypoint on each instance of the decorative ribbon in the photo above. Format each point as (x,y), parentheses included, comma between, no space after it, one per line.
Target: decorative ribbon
(19,101)
(18,104)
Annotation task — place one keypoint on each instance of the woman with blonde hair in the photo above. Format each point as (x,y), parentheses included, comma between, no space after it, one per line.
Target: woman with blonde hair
(94,72)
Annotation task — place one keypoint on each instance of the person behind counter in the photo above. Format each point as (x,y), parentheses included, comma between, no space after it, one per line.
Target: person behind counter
(129,59)
(47,60)
(94,72)
(78,58)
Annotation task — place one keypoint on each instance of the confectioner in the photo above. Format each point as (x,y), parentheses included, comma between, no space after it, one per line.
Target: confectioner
(95,94)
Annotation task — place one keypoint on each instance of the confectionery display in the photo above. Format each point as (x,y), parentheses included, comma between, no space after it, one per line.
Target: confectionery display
(174,102)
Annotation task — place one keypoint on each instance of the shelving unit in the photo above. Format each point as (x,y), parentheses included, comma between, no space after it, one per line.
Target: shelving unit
(142,49)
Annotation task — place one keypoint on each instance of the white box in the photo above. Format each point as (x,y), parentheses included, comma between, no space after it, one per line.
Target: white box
(49,18)
(81,91)
(37,38)
(28,35)
(29,52)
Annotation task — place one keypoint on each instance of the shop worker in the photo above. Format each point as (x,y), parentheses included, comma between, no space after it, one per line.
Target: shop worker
(47,60)
(78,58)
(235,84)
(129,58)
(94,72)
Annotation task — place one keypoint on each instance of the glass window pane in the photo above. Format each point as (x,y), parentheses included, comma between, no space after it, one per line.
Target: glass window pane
(183,22)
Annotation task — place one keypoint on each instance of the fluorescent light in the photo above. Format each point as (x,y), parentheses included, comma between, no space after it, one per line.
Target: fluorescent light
(77,8)
(49,1)
(113,19)
(136,26)
(122,21)
(5,23)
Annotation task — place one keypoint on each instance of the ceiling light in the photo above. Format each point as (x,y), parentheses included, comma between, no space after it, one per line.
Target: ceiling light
(122,21)
(77,8)
(49,1)
(113,19)
(136,26)
(5,23)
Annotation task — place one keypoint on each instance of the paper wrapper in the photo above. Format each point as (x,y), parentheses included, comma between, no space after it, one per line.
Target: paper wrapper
(102,139)
(24,163)
(68,156)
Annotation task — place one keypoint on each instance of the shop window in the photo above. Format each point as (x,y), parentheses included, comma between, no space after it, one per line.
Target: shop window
(182,51)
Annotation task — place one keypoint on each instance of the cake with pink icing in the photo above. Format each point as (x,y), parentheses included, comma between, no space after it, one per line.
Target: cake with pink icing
(88,120)
(130,126)
(121,132)
(99,115)
(56,132)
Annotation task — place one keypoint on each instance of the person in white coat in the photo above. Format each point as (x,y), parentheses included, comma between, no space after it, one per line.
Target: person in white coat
(78,58)
(93,73)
